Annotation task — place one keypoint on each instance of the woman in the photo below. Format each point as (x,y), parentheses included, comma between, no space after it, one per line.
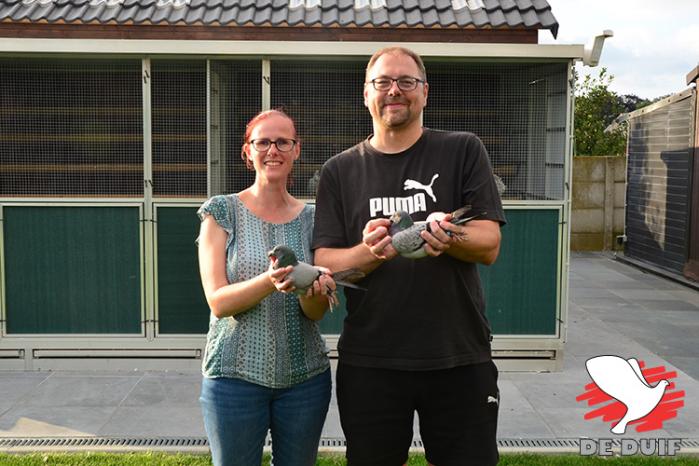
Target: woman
(265,366)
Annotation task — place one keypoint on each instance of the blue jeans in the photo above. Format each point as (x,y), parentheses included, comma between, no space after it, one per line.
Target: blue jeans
(238,414)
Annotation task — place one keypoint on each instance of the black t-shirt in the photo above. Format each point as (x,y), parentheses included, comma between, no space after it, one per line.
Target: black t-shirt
(417,314)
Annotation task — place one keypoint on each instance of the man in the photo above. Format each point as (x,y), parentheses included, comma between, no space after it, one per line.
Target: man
(418,339)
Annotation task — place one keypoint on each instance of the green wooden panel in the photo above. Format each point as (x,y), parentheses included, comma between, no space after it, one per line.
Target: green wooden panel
(182,307)
(521,287)
(331,324)
(72,270)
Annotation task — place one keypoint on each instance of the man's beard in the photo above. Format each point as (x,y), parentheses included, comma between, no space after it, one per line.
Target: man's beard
(396,119)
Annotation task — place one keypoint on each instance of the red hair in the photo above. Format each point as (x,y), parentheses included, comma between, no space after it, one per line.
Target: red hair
(256,120)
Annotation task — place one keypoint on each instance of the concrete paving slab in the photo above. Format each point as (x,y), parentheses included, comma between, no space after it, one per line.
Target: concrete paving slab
(625,283)
(599,338)
(158,391)
(667,305)
(46,421)
(634,294)
(162,421)
(517,418)
(14,386)
(332,428)
(571,423)
(607,304)
(552,395)
(690,296)
(622,315)
(688,365)
(86,390)
(590,292)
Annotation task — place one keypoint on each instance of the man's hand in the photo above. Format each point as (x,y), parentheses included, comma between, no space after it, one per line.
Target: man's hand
(375,237)
(437,241)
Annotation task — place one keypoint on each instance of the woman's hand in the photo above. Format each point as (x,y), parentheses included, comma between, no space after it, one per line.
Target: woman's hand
(323,285)
(319,295)
(280,278)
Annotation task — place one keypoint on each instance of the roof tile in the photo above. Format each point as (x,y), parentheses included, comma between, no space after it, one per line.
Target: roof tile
(312,16)
(127,13)
(531,14)
(480,17)
(497,18)
(380,16)
(447,18)
(296,16)
(143,15)
(430,18)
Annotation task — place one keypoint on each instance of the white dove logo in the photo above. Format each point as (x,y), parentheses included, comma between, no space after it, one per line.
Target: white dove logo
(623,380)
(412,184)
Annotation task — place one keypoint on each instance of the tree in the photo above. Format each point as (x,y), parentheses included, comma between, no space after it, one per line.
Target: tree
(632,102)
(596,107)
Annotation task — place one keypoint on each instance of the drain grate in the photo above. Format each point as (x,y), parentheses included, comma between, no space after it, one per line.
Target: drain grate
(83,442)
(186,443)
(539,443)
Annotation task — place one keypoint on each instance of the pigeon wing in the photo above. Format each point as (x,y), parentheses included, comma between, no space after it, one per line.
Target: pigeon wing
(637,369)
(409,243)
(613,375)
(303,275)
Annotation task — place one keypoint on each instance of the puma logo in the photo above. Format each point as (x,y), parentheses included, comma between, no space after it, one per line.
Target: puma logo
(492,399)
(412,184)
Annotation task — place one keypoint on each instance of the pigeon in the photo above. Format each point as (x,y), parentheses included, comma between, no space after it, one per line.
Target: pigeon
(623,380)
(303,275)
(499,184)
(405,234)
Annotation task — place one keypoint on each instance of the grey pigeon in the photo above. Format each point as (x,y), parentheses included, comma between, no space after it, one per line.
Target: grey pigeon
(303,275)
(405,234)
(499,184)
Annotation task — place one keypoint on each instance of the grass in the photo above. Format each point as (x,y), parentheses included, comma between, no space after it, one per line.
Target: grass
(164,459)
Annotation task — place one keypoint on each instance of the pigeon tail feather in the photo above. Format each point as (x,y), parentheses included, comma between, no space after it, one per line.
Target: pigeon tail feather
(348,276)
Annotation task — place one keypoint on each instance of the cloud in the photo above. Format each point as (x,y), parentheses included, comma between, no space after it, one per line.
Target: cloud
(655,44)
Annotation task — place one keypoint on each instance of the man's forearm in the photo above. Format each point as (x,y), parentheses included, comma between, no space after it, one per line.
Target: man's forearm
(357,257)
(479,244)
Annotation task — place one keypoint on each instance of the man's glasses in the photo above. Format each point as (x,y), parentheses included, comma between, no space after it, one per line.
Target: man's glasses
(404,84)
(282,144)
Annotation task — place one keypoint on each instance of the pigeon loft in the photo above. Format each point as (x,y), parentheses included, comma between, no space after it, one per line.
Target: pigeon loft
(122,120)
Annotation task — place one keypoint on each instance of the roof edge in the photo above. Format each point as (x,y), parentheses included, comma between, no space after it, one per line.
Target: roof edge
(693,76)
(281,48)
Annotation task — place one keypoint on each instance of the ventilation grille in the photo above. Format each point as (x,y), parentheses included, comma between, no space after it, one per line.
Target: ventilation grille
(519,112)
(179,128)
(325,100)
(71,127)
(236,96)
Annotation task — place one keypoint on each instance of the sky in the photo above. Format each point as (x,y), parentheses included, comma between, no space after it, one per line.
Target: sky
(655,43)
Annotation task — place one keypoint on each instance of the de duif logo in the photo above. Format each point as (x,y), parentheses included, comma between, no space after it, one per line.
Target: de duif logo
(625,393)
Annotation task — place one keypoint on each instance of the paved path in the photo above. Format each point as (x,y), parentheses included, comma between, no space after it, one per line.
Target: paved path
(614,309)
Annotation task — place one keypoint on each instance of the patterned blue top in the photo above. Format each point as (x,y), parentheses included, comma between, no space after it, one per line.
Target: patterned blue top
(273,344)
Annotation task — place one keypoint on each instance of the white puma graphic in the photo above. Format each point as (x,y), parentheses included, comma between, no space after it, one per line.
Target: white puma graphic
(412,184)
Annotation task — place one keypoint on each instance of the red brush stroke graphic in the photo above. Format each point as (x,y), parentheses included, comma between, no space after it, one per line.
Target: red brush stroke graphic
(614,410)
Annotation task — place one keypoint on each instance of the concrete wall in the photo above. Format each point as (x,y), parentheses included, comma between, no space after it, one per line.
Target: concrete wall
(599,184)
